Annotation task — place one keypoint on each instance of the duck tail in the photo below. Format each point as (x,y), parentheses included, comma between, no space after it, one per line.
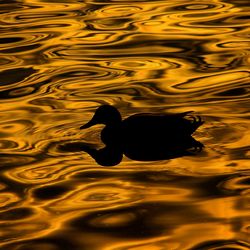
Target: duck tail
(186,113)
(196,122)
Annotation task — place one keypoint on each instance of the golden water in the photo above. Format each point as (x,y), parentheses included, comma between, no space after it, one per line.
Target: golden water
(60,60)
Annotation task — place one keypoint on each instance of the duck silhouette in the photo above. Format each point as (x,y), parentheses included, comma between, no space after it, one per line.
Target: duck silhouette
(141,137)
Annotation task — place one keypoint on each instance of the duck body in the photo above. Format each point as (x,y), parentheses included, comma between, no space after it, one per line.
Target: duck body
(156,128)
(149,130)
(147,136)
(153,136)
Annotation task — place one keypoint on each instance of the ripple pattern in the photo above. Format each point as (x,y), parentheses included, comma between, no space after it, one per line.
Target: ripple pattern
(59,61)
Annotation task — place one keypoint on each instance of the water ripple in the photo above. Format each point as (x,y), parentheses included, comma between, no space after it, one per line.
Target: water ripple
(59,61)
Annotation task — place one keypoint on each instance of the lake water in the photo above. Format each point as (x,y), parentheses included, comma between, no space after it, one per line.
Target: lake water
(60,60)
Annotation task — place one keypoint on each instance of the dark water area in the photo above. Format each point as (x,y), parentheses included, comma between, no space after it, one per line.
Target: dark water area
(62,59)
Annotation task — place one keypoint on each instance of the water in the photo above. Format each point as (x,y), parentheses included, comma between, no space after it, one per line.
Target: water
(60,60)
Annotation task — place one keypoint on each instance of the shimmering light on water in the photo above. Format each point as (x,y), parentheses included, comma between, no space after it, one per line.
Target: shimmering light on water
(60,60)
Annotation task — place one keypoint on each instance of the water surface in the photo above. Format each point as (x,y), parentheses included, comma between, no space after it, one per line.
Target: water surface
(60,60)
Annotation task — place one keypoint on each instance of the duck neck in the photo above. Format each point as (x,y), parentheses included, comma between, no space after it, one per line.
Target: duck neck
(113,121)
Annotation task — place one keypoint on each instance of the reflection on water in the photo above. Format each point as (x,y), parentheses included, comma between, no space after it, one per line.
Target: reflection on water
(60,60)
(141,137)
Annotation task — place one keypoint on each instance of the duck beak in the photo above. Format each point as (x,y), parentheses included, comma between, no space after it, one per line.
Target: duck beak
(88,124)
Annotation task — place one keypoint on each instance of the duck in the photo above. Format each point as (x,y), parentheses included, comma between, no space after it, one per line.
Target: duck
(143,136)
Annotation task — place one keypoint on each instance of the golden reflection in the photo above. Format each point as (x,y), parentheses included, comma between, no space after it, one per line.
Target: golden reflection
(59,61)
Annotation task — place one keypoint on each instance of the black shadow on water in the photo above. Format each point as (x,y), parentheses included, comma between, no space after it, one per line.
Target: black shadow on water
(140,137)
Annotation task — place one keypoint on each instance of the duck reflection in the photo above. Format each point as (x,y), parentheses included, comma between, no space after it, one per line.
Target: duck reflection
(142,137)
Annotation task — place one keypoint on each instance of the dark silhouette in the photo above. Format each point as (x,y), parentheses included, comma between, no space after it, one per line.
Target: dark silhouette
(142,137)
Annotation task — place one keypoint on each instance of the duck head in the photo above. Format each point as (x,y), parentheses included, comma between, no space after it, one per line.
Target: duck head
(107,115)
